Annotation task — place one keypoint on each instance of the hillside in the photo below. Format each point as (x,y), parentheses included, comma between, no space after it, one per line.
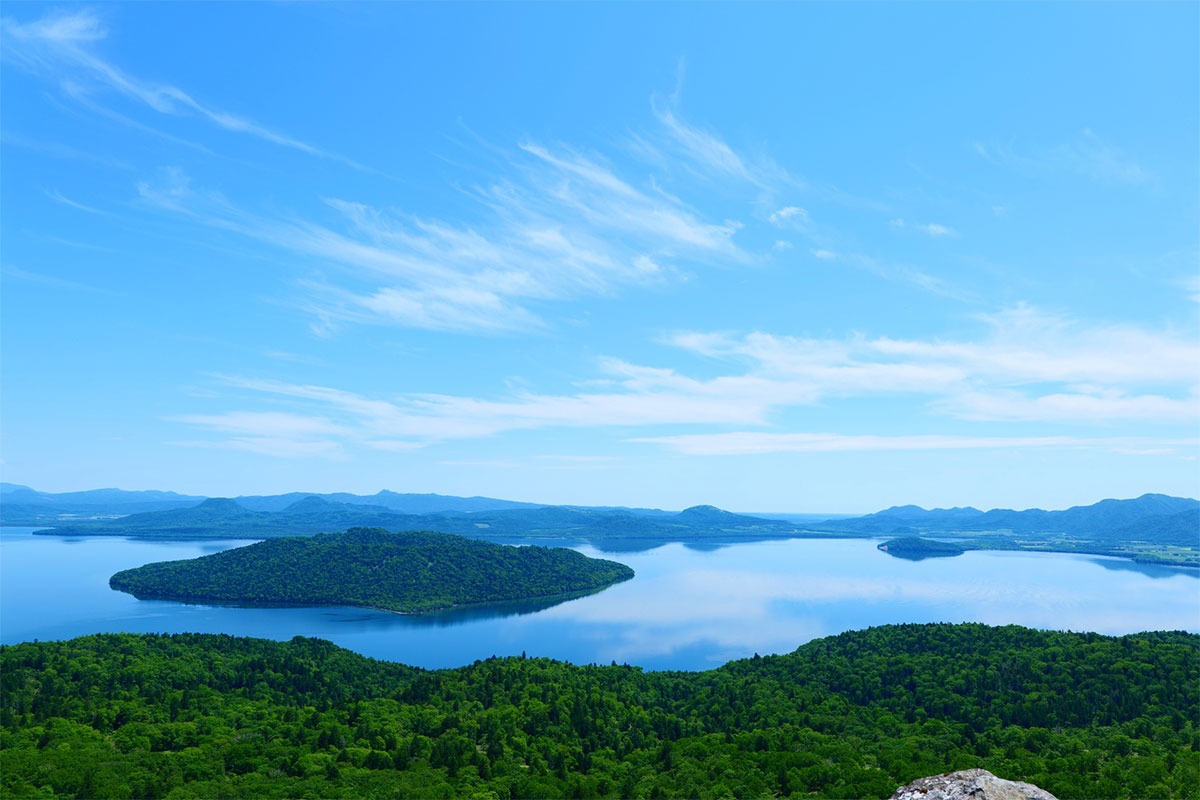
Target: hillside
(1140,519)
(853,715)
(224,518)
(403,503)
(21,505)
(410,572)
(915,548)
(1152,528)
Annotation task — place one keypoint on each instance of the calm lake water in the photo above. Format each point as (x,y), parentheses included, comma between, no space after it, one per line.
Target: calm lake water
(687,608)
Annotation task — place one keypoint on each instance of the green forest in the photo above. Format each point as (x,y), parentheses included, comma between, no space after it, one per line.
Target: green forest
(415,571)
(853,715)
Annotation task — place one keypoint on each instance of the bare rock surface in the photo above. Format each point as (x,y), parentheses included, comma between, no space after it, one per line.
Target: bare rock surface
(969,784)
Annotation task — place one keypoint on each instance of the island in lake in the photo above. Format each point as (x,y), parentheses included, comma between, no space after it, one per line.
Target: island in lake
(410,572)
(915,548)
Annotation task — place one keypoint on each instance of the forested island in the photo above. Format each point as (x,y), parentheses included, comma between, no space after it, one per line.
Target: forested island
(853,715)
(915,548)
(410,572)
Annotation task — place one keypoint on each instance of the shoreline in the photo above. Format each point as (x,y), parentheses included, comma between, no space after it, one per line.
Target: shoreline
(558,596)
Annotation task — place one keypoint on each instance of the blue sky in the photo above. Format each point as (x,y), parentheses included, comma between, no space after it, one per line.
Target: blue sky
(793,257)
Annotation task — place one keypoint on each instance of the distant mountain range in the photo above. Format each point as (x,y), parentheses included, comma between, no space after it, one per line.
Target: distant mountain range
(1152,518)
(226,518)
(1156,518)
(21,505)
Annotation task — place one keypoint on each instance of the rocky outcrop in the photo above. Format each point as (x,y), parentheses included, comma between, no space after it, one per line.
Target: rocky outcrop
(969,784)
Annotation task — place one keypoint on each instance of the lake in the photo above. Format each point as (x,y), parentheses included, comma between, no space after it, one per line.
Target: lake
(687,608)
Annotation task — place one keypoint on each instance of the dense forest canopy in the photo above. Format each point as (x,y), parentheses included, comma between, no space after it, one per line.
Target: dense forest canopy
(853,715)
(414,571)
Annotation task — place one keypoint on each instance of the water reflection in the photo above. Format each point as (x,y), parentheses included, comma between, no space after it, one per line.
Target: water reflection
(909,555)
(1157,571)
(380,619)
(690,606)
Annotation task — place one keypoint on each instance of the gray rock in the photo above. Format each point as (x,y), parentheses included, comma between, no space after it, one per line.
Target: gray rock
(969,784)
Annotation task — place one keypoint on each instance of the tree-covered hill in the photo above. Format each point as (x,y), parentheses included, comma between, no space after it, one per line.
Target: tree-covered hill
(224,518)
(1153,518)
(415,571)
(854,715)
(915,548)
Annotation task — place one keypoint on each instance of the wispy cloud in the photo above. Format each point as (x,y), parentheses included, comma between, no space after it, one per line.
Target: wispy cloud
(758,443)
(793,214)
(1031,366)
(62,47)
(897,273)
(634,396)
(931,228)
(557,224)
(58,197)
(1092,156)
(705,149)
(1191,285)
(276,447)
(702,151)
(934,229)
(16,273)
(1085,403)
(59,150)
(264,423)
(1088,155)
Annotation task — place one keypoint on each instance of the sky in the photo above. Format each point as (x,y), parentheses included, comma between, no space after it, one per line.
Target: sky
(779,257)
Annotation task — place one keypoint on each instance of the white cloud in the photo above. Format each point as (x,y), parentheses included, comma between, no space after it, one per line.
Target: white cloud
(58,47)
(276,447)
(263,424)
(935,230)
(824,255)
(1191,285)
(555,225)
(1092,156)
(931,228)
(1099,404)
(11,271)
(394,445)
(791,214)
(640,396)
(703,153)
(1029,366)
(705,148)
(58,197)
(1089,156)
(757,443)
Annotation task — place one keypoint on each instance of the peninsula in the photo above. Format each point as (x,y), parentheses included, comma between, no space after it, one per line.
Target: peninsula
(411,572)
